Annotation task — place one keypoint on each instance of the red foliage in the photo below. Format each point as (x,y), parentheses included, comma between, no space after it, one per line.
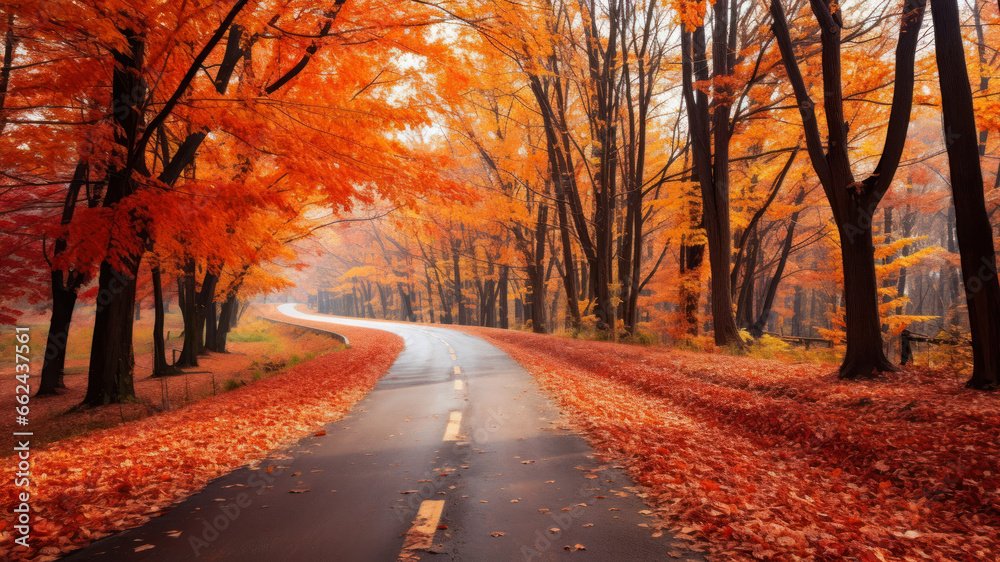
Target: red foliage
(770,460)
(85,488)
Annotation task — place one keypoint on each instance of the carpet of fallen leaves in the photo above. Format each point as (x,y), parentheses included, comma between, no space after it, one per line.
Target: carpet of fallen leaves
(87,487)
(56,417)
(770,460)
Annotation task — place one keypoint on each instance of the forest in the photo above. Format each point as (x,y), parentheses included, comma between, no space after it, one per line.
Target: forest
(693,173)
(720,269)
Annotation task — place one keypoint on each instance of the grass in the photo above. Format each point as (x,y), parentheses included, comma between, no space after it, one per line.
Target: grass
(259,350)
(233,384)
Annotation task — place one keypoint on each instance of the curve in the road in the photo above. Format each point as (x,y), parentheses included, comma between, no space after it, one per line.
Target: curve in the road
(455,453)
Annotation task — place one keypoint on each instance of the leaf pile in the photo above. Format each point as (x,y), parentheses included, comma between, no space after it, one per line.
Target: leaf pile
(88,487)
(769,460)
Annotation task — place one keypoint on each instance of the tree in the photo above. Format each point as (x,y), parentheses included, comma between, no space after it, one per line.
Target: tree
(975,234)
(710,135)
(853,202)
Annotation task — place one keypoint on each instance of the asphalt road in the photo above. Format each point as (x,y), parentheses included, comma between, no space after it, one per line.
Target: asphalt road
(455,455)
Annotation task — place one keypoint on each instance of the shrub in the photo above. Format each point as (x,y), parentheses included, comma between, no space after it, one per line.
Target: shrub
(233,384)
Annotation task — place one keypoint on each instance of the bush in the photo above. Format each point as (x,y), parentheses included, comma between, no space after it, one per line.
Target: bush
(233,384)
(696,343)
(768,347)
(641,337)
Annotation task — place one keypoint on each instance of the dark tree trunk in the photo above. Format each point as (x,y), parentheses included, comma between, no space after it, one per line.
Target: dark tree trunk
(405,304)
(188,304)
(744,301)
(225,323)
(111,357)
(205,313)
(865,353)
(63,301)
(64,290)
(975,234)
(160,366)
(710,135)
(502,298)
(569,271)
(536,273)
(430,293)
(457,280)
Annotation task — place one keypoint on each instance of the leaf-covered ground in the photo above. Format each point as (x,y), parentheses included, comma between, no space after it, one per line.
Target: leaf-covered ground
(86,487)
(57,417)
(757,458)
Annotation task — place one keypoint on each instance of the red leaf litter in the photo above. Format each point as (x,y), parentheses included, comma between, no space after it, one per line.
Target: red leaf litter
(90,486)
(761,459)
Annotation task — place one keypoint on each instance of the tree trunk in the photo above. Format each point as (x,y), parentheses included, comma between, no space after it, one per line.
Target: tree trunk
(865,353)
(457,280)
(63,301)
(205,313)
(225,323)
(430,293)
(405,305)
(504,312)
(64,288)
(111,358)
(160,366)
(188,304)
(710,134)
(975,234)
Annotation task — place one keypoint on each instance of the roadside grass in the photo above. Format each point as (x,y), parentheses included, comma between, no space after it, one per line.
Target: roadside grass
(259,350)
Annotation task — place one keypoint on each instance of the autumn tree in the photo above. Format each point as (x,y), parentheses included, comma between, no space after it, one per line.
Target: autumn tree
(975,234)
(853,202)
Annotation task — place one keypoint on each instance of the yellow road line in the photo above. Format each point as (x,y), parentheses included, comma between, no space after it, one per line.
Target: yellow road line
(421,535)
(459,385)
(458,371)
(454,424)
(453,358)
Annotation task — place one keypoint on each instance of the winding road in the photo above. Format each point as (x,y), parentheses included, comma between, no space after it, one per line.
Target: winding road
(455,455)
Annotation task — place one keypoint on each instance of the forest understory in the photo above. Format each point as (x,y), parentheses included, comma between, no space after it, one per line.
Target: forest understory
(753,458)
